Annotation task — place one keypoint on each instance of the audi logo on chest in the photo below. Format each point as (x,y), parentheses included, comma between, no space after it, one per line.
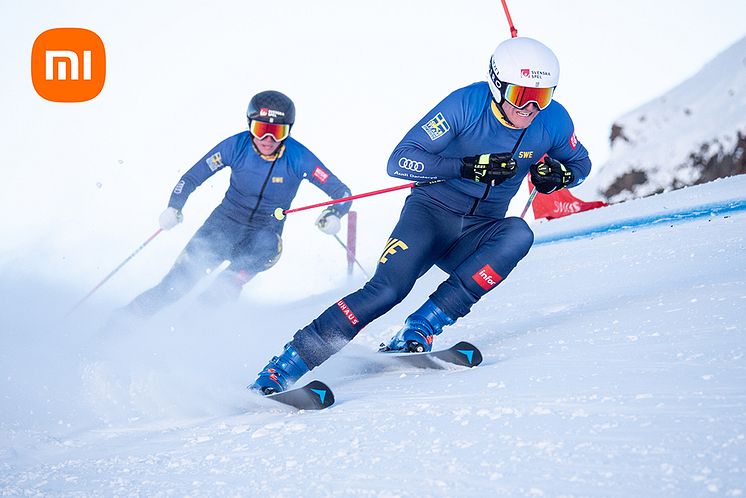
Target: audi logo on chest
(411,165)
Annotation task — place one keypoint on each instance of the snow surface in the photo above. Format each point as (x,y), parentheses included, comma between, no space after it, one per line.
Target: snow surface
(702,116)
(614,366)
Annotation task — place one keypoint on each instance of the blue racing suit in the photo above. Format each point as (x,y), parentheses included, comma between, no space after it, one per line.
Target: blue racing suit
(457,224)
(242,228)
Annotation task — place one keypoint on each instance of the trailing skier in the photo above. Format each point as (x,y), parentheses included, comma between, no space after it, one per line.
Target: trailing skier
(267,167)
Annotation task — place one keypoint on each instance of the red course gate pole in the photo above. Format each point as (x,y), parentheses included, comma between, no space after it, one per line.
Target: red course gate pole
(513,31)
(513,34)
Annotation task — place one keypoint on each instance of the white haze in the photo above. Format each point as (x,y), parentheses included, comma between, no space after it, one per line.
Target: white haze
(623,377)
(83,184)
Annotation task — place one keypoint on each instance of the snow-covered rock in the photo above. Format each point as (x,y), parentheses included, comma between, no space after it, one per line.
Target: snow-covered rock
(693,134)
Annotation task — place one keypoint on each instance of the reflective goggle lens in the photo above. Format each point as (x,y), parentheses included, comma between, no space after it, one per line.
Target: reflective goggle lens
(521,96)
(260,129)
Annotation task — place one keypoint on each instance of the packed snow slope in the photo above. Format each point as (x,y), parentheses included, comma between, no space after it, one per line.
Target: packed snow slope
(614,366)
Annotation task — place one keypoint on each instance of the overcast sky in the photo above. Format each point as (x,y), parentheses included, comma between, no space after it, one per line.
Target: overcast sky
(93,177)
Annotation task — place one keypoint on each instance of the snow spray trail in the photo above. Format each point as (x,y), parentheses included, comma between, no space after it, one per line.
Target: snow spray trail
(61,376)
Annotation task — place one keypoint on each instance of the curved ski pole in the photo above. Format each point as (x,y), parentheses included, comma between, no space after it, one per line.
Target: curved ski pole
(113,272)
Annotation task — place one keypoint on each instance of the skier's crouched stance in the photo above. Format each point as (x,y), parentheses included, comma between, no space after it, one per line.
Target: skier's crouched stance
(267,167)
(481,141)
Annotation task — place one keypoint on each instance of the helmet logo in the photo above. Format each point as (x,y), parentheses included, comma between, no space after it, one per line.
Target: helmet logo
(534,74)
(270,113)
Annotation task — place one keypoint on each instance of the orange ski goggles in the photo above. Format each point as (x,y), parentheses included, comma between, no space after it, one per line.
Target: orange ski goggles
(260,129)
(521,96)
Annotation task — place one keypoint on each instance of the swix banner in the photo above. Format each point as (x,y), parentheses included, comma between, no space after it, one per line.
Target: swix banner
(560,203)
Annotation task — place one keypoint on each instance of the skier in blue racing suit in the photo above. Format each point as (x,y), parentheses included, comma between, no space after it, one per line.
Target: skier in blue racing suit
(478,143)
(267,167)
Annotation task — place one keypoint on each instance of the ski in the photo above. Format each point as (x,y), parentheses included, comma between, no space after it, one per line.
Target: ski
(463,354)
(313,396)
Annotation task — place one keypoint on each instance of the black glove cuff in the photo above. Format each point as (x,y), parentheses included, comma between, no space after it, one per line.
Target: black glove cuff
(570,177)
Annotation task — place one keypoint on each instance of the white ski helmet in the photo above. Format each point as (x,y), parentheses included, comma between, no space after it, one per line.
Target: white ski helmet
(523,62)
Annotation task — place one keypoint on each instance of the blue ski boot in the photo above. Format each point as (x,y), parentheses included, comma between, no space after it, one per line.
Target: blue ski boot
(419,329)
(280,372)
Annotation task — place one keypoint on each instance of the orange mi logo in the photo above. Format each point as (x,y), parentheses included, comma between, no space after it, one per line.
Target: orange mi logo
(68,65)
(391,248)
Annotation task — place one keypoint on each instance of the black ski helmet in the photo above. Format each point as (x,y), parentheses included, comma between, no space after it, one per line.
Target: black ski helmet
(271,107)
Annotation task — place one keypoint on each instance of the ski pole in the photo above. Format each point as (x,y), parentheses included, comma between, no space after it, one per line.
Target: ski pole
(352,256)
(114,271)
(280,213)
(528,203)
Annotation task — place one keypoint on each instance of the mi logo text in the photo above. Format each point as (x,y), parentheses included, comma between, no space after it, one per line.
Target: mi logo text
(392,246)
(68,65)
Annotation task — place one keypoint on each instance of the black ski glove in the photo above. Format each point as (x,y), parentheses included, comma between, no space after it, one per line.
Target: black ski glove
(489,168)
(550,175)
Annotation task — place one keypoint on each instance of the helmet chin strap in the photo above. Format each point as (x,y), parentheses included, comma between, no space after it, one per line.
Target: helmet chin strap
(503,116)
(498,84)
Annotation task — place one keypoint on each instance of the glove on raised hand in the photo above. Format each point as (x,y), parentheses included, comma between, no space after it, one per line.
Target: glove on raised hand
(328,221)
(170,218)
(550,175)
(492,169)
